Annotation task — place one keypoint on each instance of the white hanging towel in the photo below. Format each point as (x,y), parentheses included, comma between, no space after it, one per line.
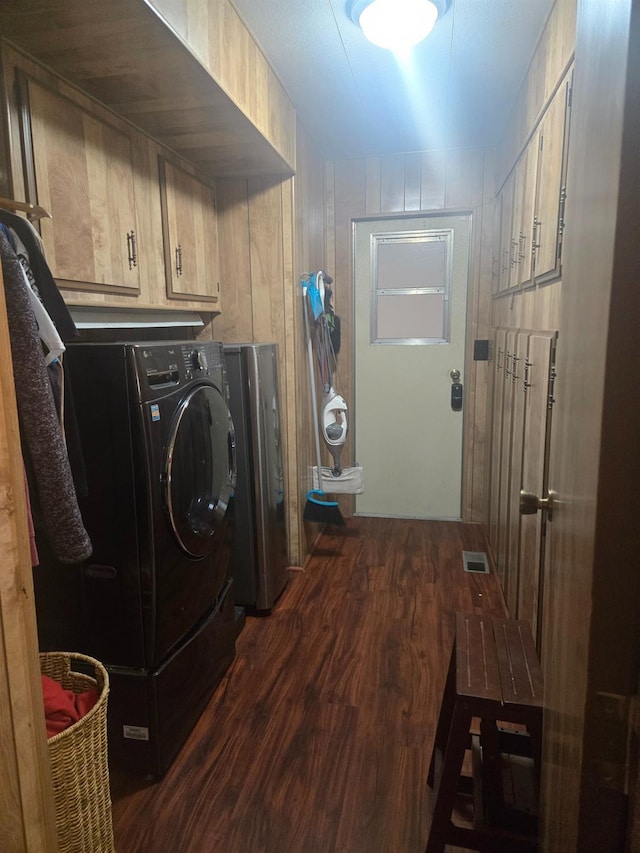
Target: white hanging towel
(350,481)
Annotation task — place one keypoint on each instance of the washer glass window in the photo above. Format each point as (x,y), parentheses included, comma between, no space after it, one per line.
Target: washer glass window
(200,469)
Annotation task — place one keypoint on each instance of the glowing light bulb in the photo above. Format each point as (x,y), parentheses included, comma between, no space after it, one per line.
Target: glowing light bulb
(398,24)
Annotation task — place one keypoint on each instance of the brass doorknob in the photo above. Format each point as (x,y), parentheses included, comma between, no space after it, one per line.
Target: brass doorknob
(530,503)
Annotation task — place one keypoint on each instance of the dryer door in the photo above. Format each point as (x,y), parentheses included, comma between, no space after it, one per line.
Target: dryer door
(200,468)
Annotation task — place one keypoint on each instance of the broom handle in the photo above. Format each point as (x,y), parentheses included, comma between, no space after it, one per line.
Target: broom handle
(312,380)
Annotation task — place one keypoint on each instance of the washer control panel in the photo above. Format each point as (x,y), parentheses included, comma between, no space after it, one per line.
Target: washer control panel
(170,364)
(200,359)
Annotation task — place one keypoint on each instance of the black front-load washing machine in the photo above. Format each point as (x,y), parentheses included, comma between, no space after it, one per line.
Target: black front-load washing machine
(154,601)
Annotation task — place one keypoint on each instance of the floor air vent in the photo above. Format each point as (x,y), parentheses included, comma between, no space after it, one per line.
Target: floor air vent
(475,561)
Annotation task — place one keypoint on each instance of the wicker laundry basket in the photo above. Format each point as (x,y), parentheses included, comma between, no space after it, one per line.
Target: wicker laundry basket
(79,764)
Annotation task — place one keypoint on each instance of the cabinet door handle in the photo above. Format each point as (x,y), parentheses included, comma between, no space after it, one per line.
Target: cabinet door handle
(521,244)
(514,253)
(132,249)
(563,201)
(178,259)
(535,240)
(507,363)
(514,374)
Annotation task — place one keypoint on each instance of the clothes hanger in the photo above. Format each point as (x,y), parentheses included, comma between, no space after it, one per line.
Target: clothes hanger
(33,211)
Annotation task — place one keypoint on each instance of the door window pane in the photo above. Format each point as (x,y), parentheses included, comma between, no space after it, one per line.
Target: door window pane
(410,287)
(411,315)
(411,263)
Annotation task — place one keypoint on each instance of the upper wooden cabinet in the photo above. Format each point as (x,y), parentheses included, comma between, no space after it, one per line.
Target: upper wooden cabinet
(83,171)
(532,199)
(190,236)
(115,218)
(130,57)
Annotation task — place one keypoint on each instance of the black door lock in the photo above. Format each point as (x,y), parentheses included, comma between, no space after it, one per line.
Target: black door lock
(456,396)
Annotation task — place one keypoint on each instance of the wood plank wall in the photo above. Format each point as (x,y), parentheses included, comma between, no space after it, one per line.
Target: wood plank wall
(27,820)
(309,256)
(444,180)
(270,233)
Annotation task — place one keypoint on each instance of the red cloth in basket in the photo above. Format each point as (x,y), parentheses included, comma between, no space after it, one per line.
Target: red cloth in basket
(62,707)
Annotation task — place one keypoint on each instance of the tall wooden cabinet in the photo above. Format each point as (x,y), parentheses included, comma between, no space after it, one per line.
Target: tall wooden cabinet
(513,478)
(527,257)
(498,384)
(522,406)
(538,387)
(504,456)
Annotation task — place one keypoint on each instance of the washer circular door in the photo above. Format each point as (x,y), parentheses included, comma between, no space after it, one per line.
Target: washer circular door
(200,469)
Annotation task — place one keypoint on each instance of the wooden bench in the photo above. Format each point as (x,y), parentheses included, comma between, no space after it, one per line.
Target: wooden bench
(494,677)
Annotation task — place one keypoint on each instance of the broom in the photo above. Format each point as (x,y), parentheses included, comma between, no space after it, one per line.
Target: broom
(317,507)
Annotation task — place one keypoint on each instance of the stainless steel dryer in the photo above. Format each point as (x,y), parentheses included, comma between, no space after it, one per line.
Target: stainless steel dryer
(153,602)
(259,556)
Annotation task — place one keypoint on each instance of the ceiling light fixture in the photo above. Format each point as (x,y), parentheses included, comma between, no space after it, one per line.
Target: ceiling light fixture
(397,24)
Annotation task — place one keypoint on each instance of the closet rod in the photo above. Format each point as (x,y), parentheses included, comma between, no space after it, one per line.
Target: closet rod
(33,211)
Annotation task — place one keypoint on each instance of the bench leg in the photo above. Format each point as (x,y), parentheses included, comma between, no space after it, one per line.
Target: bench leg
(444,719)
(447,788)
(534,727)
(491,766)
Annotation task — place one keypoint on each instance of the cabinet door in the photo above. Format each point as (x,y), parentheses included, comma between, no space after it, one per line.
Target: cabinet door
(495,244)
(512,499)
(496,435)
(527,169)
(505,459)
(506,232)
(82,168)
(190,236)
(551,184)
(538,377)
(515,261)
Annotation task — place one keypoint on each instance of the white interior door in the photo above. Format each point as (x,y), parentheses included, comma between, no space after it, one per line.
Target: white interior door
(410,317)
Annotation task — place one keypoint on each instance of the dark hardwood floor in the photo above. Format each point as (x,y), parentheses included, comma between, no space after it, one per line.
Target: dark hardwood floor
(319,737)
